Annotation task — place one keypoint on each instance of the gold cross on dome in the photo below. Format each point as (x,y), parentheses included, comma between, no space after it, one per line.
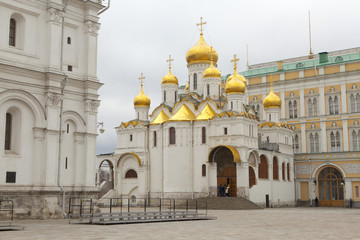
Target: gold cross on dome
(201,25)
(235,60)
(211,53)
(141,79)
(169,61)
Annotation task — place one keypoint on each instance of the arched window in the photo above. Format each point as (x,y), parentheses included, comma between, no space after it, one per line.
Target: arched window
(336,105)
(316,143)
(352,103)
(252,178)
(296,143)
(295,109)
(288,171)
(203,170)
(332,141)
(164,96)
(208,89)
(354,140)
(7,145)
(283,171)
(312,143)
(12,32)
(131,174)
(337,139)
(203,135)
(131,137)
(263,168)
(331,106)
(195,81)
(172,135)
(291,110)
(357,103)
(338,59)
(275,169)
(154,138)
(175,96)
(69,40)
(232,105)
(310,106)
(315,107)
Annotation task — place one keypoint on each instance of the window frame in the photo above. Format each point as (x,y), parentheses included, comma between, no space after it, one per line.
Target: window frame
(12,32)
(172,136)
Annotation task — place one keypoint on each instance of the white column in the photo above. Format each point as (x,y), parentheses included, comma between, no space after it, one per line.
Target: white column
(302,103)
(39,167)
(91,34)
(345,136)
(322,105)
(303,138)
(343,97)
(55,15)
(323,137)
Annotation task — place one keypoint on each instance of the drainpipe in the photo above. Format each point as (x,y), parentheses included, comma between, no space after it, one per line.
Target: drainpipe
(192,159)
(61,107)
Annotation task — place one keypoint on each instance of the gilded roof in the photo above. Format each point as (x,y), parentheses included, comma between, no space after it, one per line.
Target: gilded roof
(201,52)
(272,100)
(160,118)
(207,113)
(183,114)
(278,124)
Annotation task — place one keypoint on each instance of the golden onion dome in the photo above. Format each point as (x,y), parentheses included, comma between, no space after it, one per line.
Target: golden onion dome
(272,100)
(235,85)
(239,76)
(142,100)
(212,72)
(200,52)
(169,79)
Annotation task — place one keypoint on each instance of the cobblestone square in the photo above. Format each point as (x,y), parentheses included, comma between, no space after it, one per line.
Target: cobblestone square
(280,223)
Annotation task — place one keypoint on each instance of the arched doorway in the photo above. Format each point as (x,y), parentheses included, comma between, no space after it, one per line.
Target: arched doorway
(226,158)
(331,187)
(106,173)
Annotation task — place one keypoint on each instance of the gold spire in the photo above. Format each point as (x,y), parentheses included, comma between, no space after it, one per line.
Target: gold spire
(310,52)
(142,100)
(201,25)
(169,78)
(235,84)
(272,100)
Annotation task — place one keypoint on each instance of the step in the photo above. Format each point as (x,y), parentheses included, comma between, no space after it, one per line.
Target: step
(229,203)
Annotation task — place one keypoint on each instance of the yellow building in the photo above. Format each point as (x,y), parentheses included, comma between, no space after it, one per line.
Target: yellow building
(321,98)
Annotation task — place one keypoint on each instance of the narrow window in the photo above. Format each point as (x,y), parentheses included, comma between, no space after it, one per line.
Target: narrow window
(296,143)
(131,174)
(357,191)
(195,81)
(232,105)
(225,131)
(175,96)
(258,111)
(338,142)
(275,169)
(295,110)
(352,103)
(203,170)
(315,107)
(291,110)
(288,171)
(208,89)
(310,106)
(203,135)
(67,128)
(66,162)
(331,106)
(357,103)
(332,141)
(312,144)
(8,131)
(336,105)
(131,138)
(12,32)
(69,40)
(10,177)
(172,135)
(283,171)
(154,138)
(316,142)
(252,180)
(270,117)
(354,140)
(164,96)
(263,168)
(70,68)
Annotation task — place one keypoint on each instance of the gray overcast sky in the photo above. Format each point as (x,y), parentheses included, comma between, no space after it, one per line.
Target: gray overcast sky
(138,36)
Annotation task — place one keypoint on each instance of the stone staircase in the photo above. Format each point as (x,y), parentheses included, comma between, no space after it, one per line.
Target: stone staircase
(229,203)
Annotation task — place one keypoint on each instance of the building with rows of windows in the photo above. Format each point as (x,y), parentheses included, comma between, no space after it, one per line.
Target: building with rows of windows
(321,99)
(48,102)
(202,136)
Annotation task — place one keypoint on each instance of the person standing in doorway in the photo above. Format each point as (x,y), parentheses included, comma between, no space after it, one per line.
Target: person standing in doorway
(227,191)
(220,190)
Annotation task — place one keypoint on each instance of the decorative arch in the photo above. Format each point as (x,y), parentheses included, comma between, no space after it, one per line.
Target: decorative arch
(319,168)
(28,99)
(256,154)
(264,167)
(235,153)
(76,118)
(127,154)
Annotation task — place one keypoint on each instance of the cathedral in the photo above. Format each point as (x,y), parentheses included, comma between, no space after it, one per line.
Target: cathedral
(202,136)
